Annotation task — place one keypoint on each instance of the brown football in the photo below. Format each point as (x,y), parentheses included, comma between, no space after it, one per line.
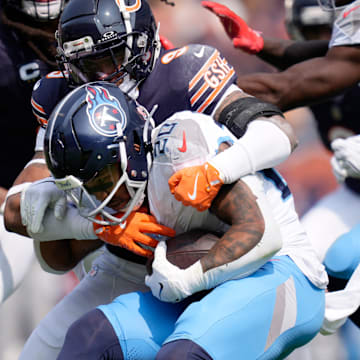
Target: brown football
(185,249)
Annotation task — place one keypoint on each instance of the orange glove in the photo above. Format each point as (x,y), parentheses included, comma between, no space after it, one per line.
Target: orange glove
(136,225)
(237,29)
(196,186)
(166,43)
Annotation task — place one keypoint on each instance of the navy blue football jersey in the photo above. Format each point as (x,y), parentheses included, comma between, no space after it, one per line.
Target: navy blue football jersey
(338,117)
(193,77)
(20,69)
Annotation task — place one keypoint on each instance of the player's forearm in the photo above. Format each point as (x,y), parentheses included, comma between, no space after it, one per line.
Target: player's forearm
(234,244)
(302,84)
(253,238)
(31,173)
(12,217)
(64,255)
(283,53)
(236,205)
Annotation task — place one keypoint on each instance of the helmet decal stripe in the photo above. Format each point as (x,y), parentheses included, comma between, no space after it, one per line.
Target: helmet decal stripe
(135,7)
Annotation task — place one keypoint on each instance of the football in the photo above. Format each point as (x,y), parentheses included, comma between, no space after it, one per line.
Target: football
(185,249)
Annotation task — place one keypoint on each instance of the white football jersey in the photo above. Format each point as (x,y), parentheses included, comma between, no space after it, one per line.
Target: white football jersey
(346,27)
(188,139)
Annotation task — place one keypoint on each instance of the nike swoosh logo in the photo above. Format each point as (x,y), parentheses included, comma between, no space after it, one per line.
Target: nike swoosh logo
(183,147)
(161,289)
(200,54)
(346,13)
(193,195)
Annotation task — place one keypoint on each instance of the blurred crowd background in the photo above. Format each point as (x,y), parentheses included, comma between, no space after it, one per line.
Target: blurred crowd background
(307,172)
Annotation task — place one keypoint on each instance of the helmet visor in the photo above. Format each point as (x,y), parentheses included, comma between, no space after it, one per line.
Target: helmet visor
(101,65)
(109,192)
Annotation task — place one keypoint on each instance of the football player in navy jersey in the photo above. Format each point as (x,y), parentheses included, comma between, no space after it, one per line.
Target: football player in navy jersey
(27,52)
(337,68)
(118,41)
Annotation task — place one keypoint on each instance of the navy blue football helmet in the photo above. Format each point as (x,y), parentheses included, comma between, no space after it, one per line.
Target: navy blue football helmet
(305,19)
(94,126)
(107,39)
(39,10)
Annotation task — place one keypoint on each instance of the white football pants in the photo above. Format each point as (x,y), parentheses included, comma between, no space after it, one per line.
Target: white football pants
(16,257)
(108,278)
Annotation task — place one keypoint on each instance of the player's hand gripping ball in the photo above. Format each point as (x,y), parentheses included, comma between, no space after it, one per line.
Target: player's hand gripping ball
(176,272)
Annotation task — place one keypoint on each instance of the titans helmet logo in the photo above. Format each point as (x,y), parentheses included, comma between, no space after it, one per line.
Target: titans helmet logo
(105,113)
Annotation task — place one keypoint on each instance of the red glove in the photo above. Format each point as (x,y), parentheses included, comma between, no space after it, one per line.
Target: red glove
(196,186)
(242,35)
(136,225)
(166,43)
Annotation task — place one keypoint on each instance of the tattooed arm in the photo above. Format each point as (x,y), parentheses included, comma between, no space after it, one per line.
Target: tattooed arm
(235,205)
(251,240)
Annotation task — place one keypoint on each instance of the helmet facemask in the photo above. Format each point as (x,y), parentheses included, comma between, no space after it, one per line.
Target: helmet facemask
(105,62)
(130,44)
(98,211)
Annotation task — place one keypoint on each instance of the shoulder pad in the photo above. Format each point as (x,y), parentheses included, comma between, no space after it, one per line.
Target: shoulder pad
(193,77)
(47,92)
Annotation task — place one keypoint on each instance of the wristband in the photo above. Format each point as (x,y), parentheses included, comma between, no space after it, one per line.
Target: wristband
(35,161)
(237,115)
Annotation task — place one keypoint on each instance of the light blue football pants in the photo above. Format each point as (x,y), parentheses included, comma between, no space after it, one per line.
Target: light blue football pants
(263,316)
(343,256)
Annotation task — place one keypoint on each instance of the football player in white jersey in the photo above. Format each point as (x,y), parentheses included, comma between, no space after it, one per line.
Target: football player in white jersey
(335,68)
(93,159)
